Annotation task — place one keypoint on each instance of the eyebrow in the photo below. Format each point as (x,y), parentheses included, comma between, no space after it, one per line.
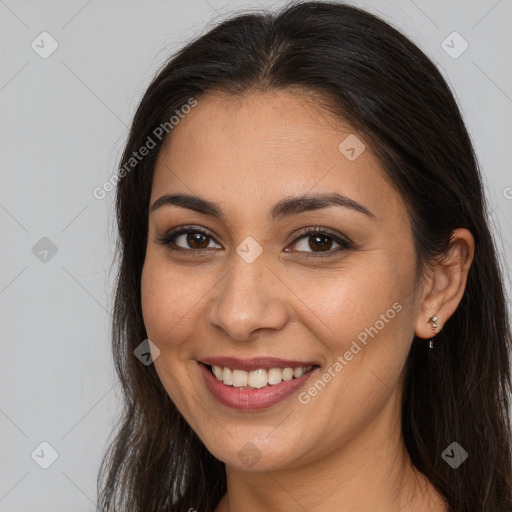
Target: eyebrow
(282,209)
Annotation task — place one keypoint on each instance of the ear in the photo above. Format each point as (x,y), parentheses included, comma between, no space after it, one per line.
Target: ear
(445,284)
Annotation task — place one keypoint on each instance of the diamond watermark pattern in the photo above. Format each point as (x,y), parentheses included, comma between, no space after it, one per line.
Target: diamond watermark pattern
(454,455)
(352,147)
(249,454)
(147,352)
(454,45)
(44,250)
(249,249)
(44,45)
(44,455)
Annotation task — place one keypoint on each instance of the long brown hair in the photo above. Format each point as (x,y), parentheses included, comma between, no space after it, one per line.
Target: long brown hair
(375,78)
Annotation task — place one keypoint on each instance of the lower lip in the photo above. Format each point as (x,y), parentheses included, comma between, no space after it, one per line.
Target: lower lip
(251,399)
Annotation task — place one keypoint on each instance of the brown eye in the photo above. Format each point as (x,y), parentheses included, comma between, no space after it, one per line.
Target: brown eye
(197,240)
(318,241)
(186,239)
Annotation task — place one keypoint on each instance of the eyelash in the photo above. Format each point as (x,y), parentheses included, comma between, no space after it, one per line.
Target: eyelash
(169,238)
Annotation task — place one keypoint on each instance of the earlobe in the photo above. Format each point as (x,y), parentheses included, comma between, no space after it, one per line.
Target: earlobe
(445,285)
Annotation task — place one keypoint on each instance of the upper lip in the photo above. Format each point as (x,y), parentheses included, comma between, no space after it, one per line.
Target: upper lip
(255,363)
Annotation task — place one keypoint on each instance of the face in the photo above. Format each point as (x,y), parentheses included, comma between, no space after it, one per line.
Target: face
(248,286)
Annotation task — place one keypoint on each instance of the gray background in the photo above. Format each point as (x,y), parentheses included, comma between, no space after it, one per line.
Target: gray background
(63,123)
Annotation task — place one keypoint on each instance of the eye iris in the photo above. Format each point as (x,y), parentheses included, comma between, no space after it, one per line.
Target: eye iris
(193,238)
(323,246)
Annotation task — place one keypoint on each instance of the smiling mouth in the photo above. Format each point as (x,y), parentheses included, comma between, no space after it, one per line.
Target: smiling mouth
(257,379)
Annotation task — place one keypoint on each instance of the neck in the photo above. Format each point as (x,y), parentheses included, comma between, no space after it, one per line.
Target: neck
(370,471)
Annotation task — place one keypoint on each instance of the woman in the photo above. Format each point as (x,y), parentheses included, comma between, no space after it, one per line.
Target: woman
(307,274)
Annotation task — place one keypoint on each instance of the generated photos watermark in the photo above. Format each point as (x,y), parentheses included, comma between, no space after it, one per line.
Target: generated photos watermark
(343,360)
(137,156)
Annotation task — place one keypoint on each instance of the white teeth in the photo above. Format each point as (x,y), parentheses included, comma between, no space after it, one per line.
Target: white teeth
(298,372)
(227,376)
(239,378)
(217,371)
(258,378)
(274,376)
(288,374)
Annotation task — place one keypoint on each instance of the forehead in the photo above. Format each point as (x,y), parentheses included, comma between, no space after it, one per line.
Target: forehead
(253,150)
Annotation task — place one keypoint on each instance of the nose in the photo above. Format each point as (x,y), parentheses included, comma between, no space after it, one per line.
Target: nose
(249,298)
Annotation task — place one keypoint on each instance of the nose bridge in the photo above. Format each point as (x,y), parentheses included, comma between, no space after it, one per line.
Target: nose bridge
(248,297)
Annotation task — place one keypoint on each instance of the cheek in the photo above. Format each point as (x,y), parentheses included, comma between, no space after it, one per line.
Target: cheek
(166,300)
(173,304)
(348,302)
(367,318)
(167,310)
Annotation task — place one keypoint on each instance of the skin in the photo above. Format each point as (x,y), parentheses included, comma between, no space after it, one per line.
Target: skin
(342,451)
